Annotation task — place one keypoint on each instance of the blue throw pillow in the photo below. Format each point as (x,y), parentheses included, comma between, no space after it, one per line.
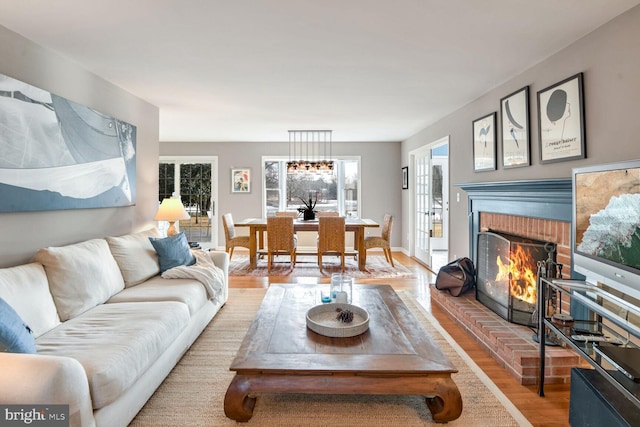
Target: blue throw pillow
(15,335)
(172,251)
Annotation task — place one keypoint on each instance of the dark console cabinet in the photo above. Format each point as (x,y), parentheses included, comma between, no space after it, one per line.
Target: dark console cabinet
(602,396)
(596,402)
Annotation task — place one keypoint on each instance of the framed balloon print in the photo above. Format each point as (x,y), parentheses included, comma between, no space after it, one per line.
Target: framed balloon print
(561,121)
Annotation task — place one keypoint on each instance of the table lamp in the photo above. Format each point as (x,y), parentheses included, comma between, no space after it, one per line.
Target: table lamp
(171,210)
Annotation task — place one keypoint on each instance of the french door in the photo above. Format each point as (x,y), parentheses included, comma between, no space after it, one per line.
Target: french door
(439,203)
(431,201)
(194,179)
(421,203)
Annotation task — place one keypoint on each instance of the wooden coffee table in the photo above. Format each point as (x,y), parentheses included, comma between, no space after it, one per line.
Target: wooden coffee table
(279,354)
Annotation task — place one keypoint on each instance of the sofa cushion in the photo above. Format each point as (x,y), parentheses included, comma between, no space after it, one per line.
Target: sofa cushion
(81,275)
(135,255)
(188,291)
(116,343)
(173,251)
(25,288)
(15,335)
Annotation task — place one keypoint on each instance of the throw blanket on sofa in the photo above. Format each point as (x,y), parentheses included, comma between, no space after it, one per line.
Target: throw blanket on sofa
(204,271)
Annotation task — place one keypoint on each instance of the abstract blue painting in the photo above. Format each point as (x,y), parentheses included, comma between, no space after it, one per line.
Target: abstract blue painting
(57,154)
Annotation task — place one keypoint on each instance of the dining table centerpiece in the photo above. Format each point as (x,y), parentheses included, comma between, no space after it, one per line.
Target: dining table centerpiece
(308,211)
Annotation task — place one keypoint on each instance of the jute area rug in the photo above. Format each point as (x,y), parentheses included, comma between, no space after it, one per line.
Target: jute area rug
(307,266)
(193,393)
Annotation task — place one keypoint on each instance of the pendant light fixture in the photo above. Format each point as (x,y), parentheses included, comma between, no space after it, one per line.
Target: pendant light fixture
(310,151)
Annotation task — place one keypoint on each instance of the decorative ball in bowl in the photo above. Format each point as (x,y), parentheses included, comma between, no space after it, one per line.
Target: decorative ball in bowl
(338,320)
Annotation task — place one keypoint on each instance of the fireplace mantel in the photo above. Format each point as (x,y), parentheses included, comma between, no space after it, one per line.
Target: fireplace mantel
(545,199)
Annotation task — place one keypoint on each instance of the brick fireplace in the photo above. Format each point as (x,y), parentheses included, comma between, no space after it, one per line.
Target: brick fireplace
(506,273)
(540,210)
(550,230)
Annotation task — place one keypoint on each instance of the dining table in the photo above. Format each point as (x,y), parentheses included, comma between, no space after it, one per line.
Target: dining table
(258,227)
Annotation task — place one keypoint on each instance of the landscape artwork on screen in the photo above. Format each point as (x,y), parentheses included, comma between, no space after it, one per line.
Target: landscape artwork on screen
(607,215)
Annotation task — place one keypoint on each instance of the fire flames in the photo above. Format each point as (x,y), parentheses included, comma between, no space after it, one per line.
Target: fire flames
(520,273)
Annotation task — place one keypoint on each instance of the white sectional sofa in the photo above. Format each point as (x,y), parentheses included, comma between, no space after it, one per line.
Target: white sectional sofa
(108,328)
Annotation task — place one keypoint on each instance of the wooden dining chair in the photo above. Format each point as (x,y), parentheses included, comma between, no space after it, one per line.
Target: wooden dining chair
(331,231)
(293,215)
(280,239)
(289,214)
(230,238)
(327,213)
(383,241)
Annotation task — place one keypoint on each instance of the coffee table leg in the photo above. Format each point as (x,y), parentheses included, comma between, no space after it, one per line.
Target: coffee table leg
(238,405)
(446,404)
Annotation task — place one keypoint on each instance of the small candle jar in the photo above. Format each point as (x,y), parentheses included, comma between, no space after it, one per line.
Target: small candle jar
(325,295)
(336,285)
(341,283)
(342,297)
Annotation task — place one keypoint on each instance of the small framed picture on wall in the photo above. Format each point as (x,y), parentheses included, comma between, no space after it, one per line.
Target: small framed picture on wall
(561,121)
(484,143)
(405,177)
(241,180)
(514,117)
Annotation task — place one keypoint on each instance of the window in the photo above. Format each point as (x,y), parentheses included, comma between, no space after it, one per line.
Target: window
(192,179)
(335,192)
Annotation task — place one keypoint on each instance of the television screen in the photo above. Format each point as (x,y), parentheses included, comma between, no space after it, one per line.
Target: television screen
(607,219)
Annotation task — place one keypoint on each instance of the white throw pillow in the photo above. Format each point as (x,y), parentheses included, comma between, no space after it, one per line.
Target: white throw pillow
(26,290)
(81,275)
(135,255)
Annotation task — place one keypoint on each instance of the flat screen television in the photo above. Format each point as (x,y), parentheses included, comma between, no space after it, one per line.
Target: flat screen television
(606,225)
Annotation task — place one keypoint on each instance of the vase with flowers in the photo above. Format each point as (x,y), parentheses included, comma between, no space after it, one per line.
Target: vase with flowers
(308,212)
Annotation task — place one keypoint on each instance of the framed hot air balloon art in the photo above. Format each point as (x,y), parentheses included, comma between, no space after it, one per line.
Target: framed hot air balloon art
(514,115)
(561,130)
(484,143)
(241,180)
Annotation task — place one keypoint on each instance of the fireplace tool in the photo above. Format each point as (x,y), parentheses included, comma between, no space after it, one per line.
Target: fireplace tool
(548,269)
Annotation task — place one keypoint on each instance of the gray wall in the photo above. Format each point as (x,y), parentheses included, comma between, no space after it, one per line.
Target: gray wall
(23,233)
(380,173)
(610,60)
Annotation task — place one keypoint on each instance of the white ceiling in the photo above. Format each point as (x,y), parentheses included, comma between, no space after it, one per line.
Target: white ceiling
(249,70)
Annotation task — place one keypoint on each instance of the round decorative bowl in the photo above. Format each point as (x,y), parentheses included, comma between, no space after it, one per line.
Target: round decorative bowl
(322,319)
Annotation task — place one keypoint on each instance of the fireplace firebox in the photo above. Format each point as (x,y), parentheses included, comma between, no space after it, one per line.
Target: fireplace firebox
(507,268)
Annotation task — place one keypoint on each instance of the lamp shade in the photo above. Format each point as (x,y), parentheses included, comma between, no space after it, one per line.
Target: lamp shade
(171,210)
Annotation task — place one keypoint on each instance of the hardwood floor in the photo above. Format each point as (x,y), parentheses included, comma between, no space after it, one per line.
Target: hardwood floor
(551,410)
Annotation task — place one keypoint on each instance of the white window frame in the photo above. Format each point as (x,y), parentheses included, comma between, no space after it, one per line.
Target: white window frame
(339,178)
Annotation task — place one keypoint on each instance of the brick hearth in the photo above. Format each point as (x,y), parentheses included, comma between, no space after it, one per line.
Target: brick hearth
(509,344)
(539,209)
